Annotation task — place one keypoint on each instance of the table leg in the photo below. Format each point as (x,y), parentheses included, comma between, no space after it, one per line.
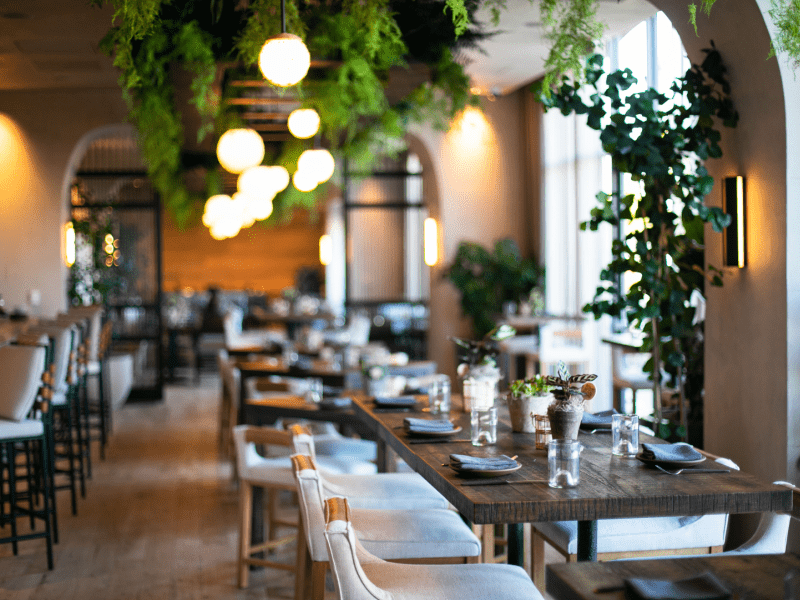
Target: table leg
(587,541)
(257,522)
(385,458)
(516,544)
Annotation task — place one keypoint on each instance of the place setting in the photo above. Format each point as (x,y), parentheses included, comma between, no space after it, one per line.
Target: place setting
(675,459)
(394,403)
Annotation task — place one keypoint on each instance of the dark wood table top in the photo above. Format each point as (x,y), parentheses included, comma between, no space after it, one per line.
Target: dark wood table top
(747,577)
(610,486)
(262,368)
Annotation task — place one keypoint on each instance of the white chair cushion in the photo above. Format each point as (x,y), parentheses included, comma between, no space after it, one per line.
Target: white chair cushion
(385,490)
(338,446)
(430,533)
(642,534)
(93,367)
(20,378)
(278,471)
(59,399)
(27,428)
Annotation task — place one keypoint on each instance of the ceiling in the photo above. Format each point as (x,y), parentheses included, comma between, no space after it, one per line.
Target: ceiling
(54,44)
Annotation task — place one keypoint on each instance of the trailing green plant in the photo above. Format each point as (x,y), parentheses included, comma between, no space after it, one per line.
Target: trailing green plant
(486,279)
(485,350)
(152,37)
(786,16)
(662,141)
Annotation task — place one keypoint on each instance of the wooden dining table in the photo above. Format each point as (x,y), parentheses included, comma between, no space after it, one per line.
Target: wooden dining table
(610,486)
(747,577)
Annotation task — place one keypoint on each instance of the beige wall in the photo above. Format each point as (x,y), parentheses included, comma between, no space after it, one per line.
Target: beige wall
(479,170)
(44,127)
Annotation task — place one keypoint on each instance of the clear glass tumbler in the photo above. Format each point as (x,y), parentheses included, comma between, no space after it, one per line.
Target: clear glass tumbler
(484,426)
(624,435)
(314,390)
(564,463)
(439,395)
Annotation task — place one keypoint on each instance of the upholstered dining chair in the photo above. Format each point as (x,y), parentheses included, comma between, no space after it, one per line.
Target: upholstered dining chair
(24,421)
(273,475)
(632,538)
(419,536)
(360,575)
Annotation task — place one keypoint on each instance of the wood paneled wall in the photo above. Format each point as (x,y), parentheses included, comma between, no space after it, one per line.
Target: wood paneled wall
(259,258)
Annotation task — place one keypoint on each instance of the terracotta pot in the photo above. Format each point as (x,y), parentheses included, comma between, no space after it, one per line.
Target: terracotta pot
(521,410)
(565,421)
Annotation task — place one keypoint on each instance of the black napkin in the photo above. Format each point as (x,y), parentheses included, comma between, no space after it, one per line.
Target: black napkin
(702,587)
(477,463)
(396,401)
(598,420)
(335,402)
(670,452)
(412,425)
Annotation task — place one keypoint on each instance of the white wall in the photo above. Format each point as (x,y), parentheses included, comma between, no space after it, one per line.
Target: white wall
(39,131)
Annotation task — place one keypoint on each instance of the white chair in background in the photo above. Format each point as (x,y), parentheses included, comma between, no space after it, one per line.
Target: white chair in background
(398,534)
(628,374)
(359,575)
(238,339)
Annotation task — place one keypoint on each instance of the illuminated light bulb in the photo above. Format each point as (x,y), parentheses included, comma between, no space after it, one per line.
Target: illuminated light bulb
(284,59)
(109,239)
(240,149)
(325,249)
(304,181)
(69,244)
(303,123)
(263,182)
(320,162)
(215,207)
(243,208)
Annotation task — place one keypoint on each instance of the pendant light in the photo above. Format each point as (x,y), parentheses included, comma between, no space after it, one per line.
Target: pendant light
(284,59)
(303,123)
(318,163)
(240,149)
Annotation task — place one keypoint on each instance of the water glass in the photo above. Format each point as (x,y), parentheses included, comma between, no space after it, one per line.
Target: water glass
(314,390)
(484,426)
(624,435)
(439,395)
(564,463)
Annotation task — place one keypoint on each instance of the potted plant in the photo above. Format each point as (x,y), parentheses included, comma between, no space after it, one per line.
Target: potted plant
(566,411)
(478,370)
(526,398)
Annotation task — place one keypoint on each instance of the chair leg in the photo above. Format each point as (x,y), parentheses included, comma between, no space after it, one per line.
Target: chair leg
(48,500)
(302,562)
(318,572)
(537,560)
(487,543)
(245,515)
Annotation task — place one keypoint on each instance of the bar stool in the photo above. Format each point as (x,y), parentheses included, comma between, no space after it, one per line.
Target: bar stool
(359,575)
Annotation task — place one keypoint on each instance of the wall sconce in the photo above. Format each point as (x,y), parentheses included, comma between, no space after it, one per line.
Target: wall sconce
(734,244)
(325,249)
(431,241)
(69,244)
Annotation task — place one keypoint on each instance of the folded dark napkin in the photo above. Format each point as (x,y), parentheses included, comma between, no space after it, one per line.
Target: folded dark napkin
(598,420)
(670,452)
(396,401)
(336,402)
(477,463)
(702,587)
(413,425)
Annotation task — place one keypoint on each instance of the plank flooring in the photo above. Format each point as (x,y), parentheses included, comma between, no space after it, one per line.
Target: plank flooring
(158,520)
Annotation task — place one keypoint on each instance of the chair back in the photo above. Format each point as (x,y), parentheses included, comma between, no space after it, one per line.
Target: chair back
(231,377)
(63,345)
(346,555)
(311,497)
(246,437)
(358,330)
(570,343)
(20,378)
(232,325)
(94,314)
(303,441)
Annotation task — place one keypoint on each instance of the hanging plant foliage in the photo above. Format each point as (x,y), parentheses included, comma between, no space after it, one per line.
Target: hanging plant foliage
(363,39)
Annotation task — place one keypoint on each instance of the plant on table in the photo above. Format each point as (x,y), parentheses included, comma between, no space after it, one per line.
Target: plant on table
(533,386)
(570,392)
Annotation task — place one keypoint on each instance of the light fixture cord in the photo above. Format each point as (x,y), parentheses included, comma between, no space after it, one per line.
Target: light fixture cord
(283,16)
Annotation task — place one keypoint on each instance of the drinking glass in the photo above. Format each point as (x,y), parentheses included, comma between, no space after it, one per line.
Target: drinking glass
(314,390)
(439,395)
(484,426)
(624,435)
(564,463)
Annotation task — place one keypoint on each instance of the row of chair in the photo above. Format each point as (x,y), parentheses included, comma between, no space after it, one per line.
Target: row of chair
(48,418)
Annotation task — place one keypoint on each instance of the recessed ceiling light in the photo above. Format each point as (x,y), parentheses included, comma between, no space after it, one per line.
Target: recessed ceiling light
(14,15)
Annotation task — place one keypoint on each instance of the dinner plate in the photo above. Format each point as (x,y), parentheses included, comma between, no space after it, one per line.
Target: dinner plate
(669,463)
(433,433)
(486,472)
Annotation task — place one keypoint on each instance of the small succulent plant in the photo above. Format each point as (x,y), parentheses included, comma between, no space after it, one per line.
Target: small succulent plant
(571,389)
(534,386)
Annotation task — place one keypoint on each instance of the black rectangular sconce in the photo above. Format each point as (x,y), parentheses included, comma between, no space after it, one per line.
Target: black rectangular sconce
(734,244)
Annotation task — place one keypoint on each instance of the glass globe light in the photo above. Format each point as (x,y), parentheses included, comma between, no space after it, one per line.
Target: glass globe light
(304,181)
(240,149)
(284,59)
(320,162)
(214,208)
(263,182)
(242,209)
(303,123)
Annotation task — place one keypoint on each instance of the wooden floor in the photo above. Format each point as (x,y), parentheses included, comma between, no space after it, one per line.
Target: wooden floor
(158,520)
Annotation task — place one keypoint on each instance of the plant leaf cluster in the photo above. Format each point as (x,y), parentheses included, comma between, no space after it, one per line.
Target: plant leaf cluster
(533,386)
(487,278)
(662,141)
(152,37)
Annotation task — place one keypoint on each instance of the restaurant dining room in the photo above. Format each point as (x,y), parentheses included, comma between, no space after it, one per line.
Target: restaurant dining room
(400,299)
